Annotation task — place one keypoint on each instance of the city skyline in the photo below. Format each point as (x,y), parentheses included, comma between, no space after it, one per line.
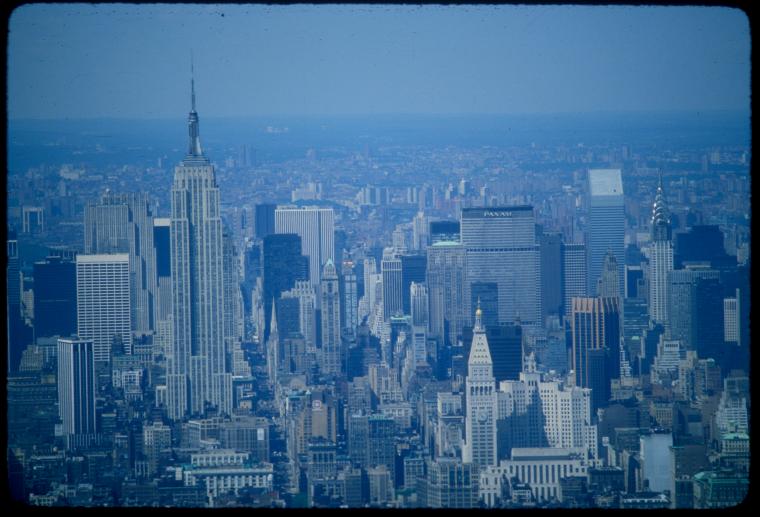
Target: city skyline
(417,311)
(340,60)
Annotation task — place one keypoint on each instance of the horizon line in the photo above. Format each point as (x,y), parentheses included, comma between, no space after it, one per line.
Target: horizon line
(736,111)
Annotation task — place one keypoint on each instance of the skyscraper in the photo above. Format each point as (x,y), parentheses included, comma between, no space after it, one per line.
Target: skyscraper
(103,311)
(608,286)
(681,303)
(264,220)
(233,303)
(419,304)
(480,419)
(390,268)
(505,346)
(350,305)
(501,248)
(316,228)
(574,277)
(282,265)
(123,223)
(660,258)
(196,369)
(163,293)
(596,345)
(330,356)
(606,228)
(18,337)
(76,386)
(551,274)
(447,288)
(55,297)
(413,269)
(306,300)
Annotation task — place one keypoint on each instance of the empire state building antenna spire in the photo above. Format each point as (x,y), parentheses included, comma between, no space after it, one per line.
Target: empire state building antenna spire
(194,143)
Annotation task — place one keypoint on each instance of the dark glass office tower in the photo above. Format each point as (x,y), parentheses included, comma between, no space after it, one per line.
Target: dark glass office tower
(708,319)
(702,243)
(505,344)
(596,346)
(413,269)
(55,298)
(283,264)
(264,220)
(551,274)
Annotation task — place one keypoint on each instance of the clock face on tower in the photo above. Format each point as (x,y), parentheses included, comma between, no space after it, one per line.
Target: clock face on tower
(482,415)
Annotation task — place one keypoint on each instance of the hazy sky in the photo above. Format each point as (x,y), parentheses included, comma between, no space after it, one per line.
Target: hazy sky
(134,60)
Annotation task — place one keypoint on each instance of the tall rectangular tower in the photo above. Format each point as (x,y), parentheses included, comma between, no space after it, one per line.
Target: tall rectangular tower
(316,228)
(606,230)
(55,297)
(574,283)
(596,345)
(103,309)
(76,386)
(330,356)
(392,284)
(123,223)
(501,247)
(447,290)
(196,371)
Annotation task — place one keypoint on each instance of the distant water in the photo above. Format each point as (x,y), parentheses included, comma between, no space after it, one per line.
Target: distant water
(100,142)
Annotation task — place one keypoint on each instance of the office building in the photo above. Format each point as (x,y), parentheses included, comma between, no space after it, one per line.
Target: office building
(551,274)
(282,265)
(304,300)
(731,320)
(681,302)
(413,269)
(19,335)
(505,346)
(574,277)
(540,468)
(350,306)
(55,297)
(197,375)
(595,328)
(419,304)
(501,247)
(102,295)
(660,258)
(76,386)
(536,411)
(316,228)
(264,220)
(449,483)
(607,286)
(163,294)
(123,223)
(393,296)
(606,229)
(447,290)
(330,354)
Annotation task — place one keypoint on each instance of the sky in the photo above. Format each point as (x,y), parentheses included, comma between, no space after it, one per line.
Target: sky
(133,61)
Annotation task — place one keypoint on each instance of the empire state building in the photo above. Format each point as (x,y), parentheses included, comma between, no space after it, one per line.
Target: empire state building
(197,378)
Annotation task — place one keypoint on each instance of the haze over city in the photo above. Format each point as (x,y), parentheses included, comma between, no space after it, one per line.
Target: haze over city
(85,61)
(378,256)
